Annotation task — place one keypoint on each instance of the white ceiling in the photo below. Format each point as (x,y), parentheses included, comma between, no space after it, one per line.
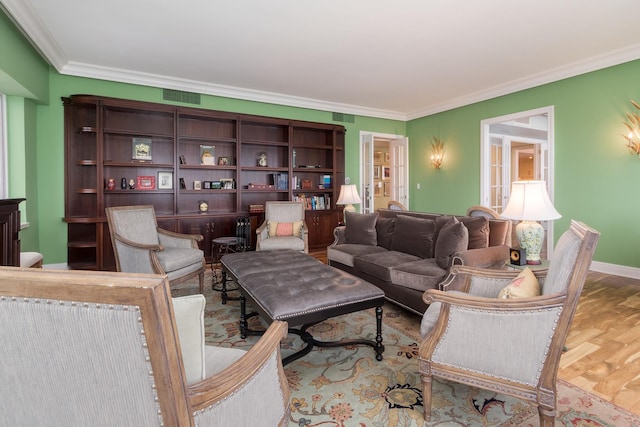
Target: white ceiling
(402,59)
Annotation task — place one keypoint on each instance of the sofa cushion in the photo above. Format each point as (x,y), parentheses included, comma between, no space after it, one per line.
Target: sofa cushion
(345,253)
(384,229)
(421,274)
(361,228)
(452,238)
(414,236)
(378,264)
(478,231)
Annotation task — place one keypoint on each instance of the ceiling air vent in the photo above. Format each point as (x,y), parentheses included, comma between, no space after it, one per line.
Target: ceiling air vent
(346,118)
(181,96)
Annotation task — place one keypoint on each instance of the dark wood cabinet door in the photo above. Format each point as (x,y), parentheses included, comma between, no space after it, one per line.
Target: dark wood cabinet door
(321,224)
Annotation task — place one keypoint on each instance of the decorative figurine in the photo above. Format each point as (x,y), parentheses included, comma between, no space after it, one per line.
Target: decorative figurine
(132,184)
(262,159)
(111,184)
(123,183)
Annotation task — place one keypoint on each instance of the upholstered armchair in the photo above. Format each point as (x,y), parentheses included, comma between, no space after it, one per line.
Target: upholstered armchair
(141,247)
(284,227)
(395,205)
(84,348)
(513,345)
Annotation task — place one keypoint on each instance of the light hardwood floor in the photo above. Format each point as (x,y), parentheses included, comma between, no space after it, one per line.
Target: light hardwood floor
(603,347)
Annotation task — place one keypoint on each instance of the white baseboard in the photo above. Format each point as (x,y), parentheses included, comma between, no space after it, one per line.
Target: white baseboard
(616,270)
(61,266)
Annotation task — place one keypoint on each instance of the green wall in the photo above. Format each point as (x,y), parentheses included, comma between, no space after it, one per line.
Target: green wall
(595,177)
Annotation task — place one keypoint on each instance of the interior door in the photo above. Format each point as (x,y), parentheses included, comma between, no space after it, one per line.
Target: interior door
(504,138)
(366,172)
(399,149)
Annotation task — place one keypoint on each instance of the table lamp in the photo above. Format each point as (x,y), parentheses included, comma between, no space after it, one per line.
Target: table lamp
(348,196)
(529,202)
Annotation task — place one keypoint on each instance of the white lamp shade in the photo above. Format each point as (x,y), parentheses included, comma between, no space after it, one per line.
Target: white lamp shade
(529,201)
(348,195)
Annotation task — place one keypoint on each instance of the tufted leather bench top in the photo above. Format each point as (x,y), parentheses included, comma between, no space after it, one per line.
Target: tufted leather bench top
(291,286)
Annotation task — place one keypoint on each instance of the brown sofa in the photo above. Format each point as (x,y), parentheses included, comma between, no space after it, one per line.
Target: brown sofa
(405,252)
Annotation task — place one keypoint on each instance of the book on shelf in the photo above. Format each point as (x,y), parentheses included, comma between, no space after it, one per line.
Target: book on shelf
(316,202)
(280,180)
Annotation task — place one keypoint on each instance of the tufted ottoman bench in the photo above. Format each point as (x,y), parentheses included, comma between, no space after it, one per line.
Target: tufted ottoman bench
(294,287)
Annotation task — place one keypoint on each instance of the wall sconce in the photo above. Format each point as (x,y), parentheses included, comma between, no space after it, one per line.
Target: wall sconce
(633,137)
(437,152)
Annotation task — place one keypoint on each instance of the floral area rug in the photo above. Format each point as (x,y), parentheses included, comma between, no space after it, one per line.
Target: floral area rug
(346,386)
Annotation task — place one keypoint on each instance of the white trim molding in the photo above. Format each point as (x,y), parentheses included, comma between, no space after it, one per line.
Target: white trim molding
(616,270)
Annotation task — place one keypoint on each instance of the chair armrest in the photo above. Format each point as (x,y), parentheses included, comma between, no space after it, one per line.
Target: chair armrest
(483,281)
(178,240)
(137,245)
(262,232)
(497,305)
(227,383)
(339,235)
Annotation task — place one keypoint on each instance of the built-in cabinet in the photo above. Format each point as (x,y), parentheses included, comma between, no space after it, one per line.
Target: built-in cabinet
(9,232)
(200,169)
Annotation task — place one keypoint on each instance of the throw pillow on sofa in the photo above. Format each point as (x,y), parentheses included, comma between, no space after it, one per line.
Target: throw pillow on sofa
(413,236)
(478,231)
(452,238)
(361,228)
(384,228)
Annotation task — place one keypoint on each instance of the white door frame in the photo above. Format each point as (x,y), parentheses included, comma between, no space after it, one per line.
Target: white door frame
(485,159)
(365,137)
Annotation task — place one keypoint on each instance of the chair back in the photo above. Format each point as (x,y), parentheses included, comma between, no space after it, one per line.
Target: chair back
(284,211)
(478,210)
(89,348)
(135,223)
(397,206)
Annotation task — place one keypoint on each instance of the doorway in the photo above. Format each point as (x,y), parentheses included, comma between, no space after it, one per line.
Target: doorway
(384,171)
(517,147)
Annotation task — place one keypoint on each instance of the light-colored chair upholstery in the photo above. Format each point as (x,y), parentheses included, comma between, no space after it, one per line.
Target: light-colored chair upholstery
(141,247)
(84,348)
(510,346)
(282,212)
(396,206)
(478,210)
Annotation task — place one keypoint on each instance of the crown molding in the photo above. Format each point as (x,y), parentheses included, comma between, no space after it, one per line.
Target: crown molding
(166,82)
(25,17)
(595,63)
(34,29)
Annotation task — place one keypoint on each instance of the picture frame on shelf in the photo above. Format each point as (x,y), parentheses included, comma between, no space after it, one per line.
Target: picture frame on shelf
(165,180)
(377,189)
(227,183)
(377,157)
(386,172)
(146,182)
(223,161)
(387,157)
(377,172)
(207,155)
(197,185)
(141,149)
(387,189)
